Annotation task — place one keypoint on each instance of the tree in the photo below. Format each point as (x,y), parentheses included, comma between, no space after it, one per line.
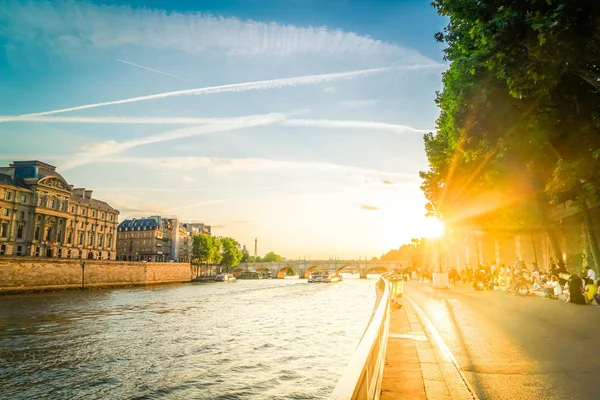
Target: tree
(231,253)
(520,111)
(272,257)
(245,258)
(206,250)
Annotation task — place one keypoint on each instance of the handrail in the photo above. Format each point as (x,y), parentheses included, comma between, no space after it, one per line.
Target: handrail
(362,377)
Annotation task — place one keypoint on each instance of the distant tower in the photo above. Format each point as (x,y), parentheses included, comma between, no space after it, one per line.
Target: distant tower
(255,247)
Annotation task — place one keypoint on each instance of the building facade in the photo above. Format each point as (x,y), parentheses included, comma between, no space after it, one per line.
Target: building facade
(197,228)
(153,239)
(42,215)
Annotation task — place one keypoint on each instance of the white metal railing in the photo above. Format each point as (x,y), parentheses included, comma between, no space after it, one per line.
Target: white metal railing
(362,376)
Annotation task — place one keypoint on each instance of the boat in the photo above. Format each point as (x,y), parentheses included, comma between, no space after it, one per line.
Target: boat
(250,275)
(324,277)
(225,278)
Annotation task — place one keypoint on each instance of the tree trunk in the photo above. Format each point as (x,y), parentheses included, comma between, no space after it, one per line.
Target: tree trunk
(591,233)
(551,235)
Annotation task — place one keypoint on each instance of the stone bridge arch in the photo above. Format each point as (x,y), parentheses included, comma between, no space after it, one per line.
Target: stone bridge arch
(378,269)
(282,271)
(238,270)
(310,269)
(347,268)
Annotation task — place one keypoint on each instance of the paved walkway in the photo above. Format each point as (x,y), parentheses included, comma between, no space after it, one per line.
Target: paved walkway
(415,367)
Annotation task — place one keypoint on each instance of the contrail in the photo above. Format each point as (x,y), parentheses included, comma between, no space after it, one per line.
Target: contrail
(313,123)
(328,123)
(155,70)
(94,152)
(238,87)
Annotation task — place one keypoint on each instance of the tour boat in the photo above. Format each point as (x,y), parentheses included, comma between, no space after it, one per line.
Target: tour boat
(324,277)
(250,275)
(225,278)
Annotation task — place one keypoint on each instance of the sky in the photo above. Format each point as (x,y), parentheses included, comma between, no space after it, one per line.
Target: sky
(297,122)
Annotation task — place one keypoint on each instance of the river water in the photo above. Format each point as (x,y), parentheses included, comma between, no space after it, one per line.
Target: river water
(265,339)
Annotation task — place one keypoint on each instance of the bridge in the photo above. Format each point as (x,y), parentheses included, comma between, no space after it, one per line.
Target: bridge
(303,268)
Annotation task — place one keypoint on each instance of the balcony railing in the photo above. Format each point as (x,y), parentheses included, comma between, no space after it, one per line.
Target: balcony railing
(362,377)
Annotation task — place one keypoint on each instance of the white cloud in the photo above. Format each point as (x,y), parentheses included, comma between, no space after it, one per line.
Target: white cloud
(222,165)
(341,124)
(353,104)
(69,27)
(93,152)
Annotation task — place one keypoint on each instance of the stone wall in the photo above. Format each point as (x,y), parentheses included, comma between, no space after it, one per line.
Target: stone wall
(33,273)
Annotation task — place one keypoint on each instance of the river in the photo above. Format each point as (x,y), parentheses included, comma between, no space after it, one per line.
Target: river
(265,339)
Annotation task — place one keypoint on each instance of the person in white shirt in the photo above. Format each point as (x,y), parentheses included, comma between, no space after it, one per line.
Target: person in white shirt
(591,274)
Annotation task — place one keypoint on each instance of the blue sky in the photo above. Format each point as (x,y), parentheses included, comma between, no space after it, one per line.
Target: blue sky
(300,122)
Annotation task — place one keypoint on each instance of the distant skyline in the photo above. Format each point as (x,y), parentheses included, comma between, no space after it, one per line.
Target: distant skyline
(297,122)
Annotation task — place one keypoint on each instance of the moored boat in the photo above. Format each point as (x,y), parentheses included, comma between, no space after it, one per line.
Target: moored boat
(225,278)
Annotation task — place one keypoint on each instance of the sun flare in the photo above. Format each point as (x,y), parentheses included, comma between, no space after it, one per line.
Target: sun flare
(432,228)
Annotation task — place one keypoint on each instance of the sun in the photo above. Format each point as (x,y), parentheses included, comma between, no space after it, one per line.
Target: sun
(432,228)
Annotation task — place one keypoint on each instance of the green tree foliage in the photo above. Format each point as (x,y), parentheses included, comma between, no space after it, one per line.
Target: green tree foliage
(231,253)
(206,249)
(519,113)
(272,257)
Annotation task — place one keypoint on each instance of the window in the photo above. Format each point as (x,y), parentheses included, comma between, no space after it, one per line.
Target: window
(103,216)
(22,214)
(82,225)
(101,228)
(20,232)
(80,253)
(52,203)
(80,238)
(4,230)
(93,214)
(48,234)
(5,212)
(7,196)
(70,237)
(111,217)
(37,251)
(36,236)
(69,253)
(2,250)
(109,241)
(59,253)
(72,209)
(83,211)
(100,238)
(59,237)
(91,239)
(39,218)
(23,199)
(19,250)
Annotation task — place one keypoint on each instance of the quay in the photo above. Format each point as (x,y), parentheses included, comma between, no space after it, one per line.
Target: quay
(399,356)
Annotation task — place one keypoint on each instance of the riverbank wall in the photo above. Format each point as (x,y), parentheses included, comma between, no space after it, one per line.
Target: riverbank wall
(22,274)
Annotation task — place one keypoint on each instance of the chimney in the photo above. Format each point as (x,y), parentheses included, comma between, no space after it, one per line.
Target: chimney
(88,194)
(79,191)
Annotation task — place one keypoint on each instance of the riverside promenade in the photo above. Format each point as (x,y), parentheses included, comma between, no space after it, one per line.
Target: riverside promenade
(415,365)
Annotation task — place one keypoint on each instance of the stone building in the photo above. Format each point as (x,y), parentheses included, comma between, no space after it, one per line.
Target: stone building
(42,215)
(153,239)
(196,228)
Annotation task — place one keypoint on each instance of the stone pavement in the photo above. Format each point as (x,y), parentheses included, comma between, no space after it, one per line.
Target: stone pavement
(415,366)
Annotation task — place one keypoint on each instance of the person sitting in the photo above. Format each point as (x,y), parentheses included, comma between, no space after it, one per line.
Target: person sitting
(576,290)
(590,290)
(552,288)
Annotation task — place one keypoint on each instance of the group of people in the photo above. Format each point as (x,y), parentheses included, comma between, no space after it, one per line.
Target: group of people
(577,289)
(555,281)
